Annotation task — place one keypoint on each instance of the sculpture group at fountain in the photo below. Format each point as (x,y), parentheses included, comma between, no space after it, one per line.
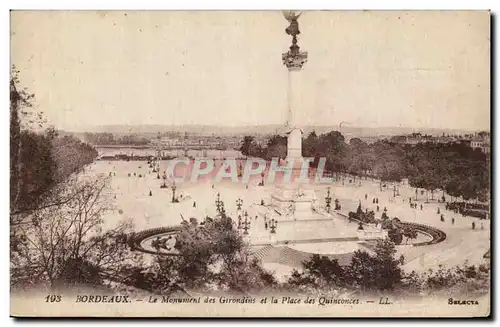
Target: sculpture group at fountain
(166,243)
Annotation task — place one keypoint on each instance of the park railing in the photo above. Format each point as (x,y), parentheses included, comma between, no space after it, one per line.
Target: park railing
(437,235)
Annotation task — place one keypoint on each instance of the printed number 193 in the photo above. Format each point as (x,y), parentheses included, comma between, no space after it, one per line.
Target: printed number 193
(53,298)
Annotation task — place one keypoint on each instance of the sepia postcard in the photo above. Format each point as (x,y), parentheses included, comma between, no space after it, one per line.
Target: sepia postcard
(250,164)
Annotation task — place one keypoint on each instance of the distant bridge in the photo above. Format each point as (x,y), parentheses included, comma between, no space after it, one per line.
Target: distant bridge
(165,147)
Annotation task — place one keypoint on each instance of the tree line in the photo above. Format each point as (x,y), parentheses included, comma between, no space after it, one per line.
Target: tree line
(39,158)
(110,139)
(454,168)
(56,214)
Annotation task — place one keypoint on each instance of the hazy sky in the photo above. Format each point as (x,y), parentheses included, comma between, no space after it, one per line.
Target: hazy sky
(411,69)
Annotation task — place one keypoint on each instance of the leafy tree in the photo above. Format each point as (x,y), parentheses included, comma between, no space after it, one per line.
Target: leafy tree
(387,267)
(310,146)
(361,272)
(395,235)
(319,272)
(276,147)
(213,256)
(246,145)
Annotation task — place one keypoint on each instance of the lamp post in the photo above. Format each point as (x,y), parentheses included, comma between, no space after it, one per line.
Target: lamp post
(273,224)
(218,204)
(239,222)
(239,203)
(222,210)
(328,200)
(173,192)
(246,224)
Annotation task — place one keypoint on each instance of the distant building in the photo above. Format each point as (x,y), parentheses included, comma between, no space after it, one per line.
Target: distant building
(479,140)
(479,144)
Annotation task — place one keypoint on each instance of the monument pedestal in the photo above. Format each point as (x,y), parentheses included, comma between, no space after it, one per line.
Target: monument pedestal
(294,144)
(293,202)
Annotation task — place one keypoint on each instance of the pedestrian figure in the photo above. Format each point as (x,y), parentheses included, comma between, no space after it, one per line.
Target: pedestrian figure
(135,174)
(194,204)
(376,201)
(262,202)
(213,186)
(442,217)
(473,225)
(366,196)
(265,225)
(373,200)
(421,207)
(115,196)
(453,221)
(378,208)
(150,193)
(438,212)
(256,216)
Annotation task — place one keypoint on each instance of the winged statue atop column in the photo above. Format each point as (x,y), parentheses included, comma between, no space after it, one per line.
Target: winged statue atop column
(293,18)
(294,58)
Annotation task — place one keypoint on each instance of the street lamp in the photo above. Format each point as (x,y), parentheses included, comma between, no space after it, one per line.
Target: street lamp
(273,224)
(173,192)
(218,203)
(239,203)
(222,210)
(246,224)
(239,222)
(328,200)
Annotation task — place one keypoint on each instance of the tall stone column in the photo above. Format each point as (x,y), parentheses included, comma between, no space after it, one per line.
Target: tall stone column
(294,60)
(294,201)
(294,139)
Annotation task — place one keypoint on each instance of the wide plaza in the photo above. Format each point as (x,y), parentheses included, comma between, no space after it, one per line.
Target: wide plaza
(136,197)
